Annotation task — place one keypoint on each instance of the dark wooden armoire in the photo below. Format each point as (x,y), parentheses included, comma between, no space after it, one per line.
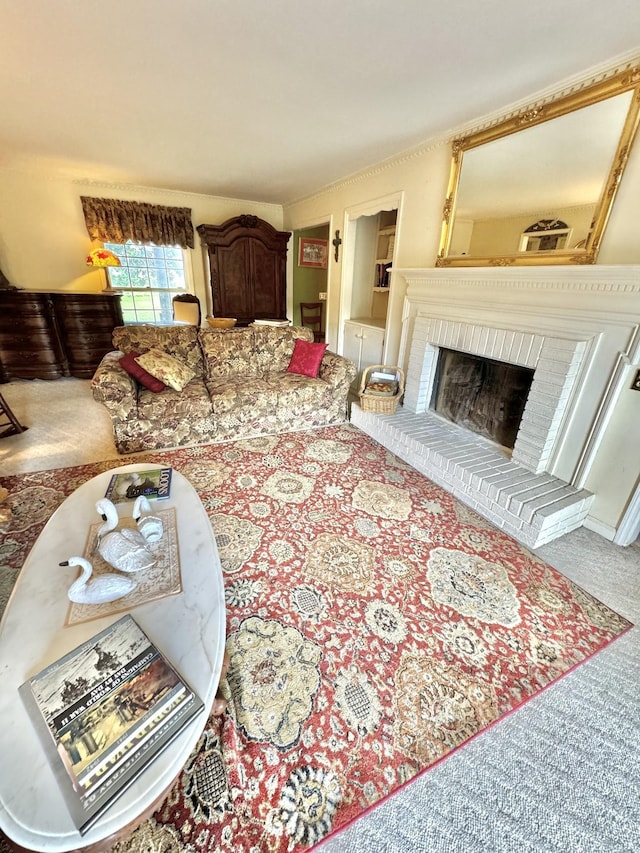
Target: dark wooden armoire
(248,268)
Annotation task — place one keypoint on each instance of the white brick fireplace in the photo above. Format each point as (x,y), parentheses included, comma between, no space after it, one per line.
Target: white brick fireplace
(576,327)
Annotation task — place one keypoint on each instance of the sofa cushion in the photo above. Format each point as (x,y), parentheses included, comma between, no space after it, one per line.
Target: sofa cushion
(128,362)
(307,358)
(170,419)
(179,341)
(254,396)
(299,394)
(228,354)
(282,392)
(269,404)
(167,368)
(192,403)
(273,346)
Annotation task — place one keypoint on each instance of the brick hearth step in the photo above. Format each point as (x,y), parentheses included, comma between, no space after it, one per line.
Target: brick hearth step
(533,508)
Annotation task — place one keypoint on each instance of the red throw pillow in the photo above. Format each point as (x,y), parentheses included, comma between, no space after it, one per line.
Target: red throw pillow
(307,358)
(128,363)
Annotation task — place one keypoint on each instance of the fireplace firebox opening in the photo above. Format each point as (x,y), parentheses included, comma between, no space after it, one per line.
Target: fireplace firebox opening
(483,395)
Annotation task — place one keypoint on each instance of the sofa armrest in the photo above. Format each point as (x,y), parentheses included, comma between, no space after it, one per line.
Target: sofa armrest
(115,388)
(337,371)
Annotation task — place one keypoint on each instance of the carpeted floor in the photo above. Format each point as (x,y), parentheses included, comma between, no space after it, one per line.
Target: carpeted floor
(357,549)
(65,426)
(562,775)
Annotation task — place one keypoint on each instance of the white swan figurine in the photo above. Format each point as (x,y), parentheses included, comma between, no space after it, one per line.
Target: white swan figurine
(101,589)
(122,548)
(150,526)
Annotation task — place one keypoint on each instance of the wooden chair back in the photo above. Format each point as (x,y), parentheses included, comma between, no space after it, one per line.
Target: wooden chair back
(186,309)
(311,316)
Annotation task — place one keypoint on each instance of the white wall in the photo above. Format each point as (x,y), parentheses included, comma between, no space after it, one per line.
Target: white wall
(44,241)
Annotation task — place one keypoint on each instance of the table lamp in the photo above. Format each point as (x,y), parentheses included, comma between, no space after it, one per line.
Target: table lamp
(103,258)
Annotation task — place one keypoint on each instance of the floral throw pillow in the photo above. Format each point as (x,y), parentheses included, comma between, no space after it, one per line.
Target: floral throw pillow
(173,372)
(128,362)
(307,358)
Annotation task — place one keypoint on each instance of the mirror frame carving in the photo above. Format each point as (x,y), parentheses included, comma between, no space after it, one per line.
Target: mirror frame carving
(617,84)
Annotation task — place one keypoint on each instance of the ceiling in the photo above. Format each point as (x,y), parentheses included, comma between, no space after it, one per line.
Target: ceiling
(271,101)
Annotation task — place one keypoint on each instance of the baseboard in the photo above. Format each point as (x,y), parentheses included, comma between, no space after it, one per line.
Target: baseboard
(599,527)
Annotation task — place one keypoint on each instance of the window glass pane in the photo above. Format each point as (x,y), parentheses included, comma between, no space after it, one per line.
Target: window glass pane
(177,280)
(139,278)
(119,277)
(163,307)
(126,303)
(137,262)
(133,250)
(158,278)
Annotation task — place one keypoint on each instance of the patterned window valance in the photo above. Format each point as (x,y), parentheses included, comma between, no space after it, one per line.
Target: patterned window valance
(114,221)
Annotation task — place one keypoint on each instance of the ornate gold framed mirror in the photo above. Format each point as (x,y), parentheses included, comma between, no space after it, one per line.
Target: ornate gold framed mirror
(538,188)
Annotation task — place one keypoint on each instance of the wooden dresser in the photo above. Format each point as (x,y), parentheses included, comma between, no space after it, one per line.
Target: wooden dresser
(49,335)
(248,267)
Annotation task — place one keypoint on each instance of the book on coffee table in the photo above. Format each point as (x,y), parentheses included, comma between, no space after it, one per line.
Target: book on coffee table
(103,712)
(154,484)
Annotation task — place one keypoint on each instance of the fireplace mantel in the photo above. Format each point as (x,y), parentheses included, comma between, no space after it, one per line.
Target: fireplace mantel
(606,279)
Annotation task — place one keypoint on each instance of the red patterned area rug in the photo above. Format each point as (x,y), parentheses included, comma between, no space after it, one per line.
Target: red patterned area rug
(374,625)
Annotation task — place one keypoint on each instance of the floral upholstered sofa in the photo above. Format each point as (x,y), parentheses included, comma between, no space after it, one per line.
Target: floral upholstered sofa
(235,383)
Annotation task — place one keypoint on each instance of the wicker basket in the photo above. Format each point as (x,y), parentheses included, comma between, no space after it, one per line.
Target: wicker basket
(380,403)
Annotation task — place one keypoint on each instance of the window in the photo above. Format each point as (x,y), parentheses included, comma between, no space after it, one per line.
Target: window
(149,278)
(545,235)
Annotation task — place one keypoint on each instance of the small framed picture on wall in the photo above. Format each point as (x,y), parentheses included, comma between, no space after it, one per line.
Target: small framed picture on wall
(312,253)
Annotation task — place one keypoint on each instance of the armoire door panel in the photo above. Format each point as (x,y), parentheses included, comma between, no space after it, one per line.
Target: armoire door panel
(267,301)
(231,298)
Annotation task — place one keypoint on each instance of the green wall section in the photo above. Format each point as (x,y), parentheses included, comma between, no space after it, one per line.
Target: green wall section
(308,282)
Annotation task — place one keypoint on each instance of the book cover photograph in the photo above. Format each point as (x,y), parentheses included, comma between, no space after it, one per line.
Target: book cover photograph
(154,484)
(103,712)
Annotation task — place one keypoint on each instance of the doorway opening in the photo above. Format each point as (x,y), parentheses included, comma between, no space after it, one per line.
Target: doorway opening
(310,274)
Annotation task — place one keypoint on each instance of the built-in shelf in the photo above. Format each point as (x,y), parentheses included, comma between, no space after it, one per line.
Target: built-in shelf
(364,332)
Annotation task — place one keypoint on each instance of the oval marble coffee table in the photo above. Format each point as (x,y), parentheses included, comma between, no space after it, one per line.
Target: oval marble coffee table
(189,628)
